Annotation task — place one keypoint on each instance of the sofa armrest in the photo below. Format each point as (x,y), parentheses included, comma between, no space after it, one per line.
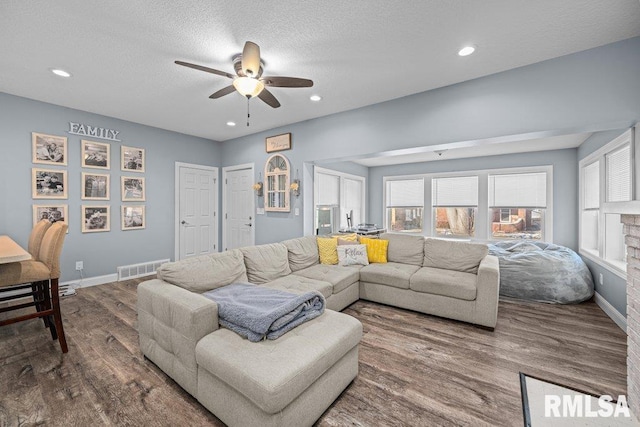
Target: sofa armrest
(171,321)
(488,284)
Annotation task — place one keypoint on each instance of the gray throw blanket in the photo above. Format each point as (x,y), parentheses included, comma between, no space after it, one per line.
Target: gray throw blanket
(257,312)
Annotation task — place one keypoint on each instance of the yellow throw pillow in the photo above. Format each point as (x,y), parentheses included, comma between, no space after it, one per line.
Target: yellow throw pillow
(352,237)
(376,249)
(328,250)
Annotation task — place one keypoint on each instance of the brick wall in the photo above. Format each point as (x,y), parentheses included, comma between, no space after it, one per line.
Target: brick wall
(632,240)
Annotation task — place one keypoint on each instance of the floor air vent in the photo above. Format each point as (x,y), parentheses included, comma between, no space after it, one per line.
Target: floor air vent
(133,271)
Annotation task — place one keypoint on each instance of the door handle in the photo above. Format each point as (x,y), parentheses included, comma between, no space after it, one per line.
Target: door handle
(184,222)
(248,224)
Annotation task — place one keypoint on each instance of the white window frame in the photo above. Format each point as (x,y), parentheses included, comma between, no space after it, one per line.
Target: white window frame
(342,176)
(482,221)
(600,156)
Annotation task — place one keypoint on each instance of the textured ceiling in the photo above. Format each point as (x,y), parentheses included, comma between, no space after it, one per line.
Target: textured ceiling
(358,52)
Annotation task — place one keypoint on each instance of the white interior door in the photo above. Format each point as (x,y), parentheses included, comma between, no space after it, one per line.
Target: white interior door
(197,221)
(239,220)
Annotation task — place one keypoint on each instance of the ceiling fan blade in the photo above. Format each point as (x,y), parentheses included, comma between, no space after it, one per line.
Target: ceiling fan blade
(251,59)
(222,92)
(205,69)
(286,82)
(268,98)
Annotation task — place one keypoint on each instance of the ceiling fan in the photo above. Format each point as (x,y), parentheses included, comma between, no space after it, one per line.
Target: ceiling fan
(248,80)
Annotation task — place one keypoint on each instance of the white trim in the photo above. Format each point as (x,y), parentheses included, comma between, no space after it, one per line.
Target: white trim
(483,224)
(226,170)
(92,281)
(604,264)
(176,206)
(611,311)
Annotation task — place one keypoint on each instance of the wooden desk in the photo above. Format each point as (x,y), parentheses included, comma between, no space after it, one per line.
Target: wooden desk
(10,251)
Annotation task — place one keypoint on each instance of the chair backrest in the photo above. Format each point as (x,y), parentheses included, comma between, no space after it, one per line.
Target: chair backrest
(51,247)
(35,238)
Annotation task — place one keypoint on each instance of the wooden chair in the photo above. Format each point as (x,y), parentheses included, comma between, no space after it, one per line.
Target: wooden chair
(37,278)
(35,240)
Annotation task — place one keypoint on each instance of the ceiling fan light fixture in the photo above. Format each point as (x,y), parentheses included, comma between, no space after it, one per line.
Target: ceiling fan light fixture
(248,86)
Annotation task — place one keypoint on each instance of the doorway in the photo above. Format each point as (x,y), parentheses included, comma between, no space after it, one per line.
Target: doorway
(196,210)
(238,229)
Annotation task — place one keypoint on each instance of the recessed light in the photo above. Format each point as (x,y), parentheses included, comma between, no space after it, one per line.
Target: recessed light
(315,98)
(231,124)
(61,73)
(467,50)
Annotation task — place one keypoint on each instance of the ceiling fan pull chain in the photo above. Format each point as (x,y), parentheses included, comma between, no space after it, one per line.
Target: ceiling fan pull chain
(248,115)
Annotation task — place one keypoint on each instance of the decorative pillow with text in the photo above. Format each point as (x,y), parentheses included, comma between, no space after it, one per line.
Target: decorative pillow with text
(352,255)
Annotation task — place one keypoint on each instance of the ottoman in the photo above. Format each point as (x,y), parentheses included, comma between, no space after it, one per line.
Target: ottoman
(290,381)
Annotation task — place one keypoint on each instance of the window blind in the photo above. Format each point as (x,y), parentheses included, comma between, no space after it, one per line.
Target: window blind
(353,192)
(405,193)
(459,191)
(618,167)
(522,190)
(328,189)
(591,186)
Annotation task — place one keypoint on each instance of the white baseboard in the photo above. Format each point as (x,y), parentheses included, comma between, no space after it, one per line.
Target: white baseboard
(610,310)
(93,281)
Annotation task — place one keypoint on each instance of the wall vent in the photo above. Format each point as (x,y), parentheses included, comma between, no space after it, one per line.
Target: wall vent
(133,271)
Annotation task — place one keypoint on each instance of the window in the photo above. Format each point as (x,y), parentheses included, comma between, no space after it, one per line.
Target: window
(336,195)
(606,176)
(591,206)
(518,204)
(455,203)
(405,205)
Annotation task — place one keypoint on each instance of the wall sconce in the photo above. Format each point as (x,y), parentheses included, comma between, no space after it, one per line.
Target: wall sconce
(295,185)
(257,187)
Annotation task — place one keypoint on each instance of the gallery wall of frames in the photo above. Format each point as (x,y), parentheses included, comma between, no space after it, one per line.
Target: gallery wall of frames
(50,183)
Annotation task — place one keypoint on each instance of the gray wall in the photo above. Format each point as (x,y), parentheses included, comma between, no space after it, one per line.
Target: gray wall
(100,252)
(594,89)
(565,184)
(614,288)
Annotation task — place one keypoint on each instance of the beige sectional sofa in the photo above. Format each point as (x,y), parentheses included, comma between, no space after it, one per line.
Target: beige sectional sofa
(294,379)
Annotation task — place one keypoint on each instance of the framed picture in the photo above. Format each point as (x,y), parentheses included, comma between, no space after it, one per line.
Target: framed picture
(95,155)
(133,189)
(49,149)
(278,142)
(132,159)
(95,219)
(133,217)
(95,186)
(48,184)
(53,213)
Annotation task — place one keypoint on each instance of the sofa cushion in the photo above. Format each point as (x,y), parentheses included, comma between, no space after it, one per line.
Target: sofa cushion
(450,255)
(339,277)
(449,283)
(266,262)
(404,248)
(272,373)
(303,252)
(328,250)
(300,284)
(376,249)
(390,274)
(204,273)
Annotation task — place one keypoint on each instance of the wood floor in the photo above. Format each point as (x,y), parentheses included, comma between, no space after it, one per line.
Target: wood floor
(415,369)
